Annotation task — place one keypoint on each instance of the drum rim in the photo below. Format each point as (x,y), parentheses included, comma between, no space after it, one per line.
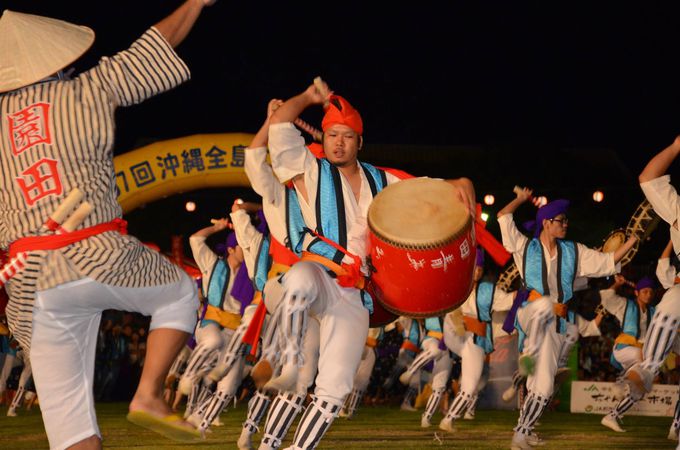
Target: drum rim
(422,247)
(436,313)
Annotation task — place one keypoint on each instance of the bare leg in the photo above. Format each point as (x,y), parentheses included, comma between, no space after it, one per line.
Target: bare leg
(163,345)
(90,443)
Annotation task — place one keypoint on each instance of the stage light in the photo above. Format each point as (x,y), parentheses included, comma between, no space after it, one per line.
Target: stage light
(598,196)
(489,199)
(190,206)
(485,216)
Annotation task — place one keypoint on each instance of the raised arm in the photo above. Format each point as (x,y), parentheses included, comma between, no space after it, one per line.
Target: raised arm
(665,272)
(523,195)
(262,136)
(177,25)
(659,164)
(259,172)
(294,106)
(623,249)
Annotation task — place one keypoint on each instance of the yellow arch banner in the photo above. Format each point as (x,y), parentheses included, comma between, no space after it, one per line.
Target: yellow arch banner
(174,166)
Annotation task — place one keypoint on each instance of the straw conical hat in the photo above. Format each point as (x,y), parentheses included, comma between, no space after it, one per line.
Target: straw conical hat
(34,47)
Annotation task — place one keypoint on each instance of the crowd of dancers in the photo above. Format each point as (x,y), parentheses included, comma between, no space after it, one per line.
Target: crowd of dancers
(286,300)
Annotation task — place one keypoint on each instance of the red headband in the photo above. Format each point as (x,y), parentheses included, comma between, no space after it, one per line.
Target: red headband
(339,111)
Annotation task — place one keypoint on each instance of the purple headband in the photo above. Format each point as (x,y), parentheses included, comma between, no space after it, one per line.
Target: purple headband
(644,282)
(230,242)
(548,211)
(262,226)
(479,261)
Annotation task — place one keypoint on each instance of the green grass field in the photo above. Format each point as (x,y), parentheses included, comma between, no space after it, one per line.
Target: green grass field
(372,428)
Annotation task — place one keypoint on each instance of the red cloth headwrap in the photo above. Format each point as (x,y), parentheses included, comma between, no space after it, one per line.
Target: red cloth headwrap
(339,111)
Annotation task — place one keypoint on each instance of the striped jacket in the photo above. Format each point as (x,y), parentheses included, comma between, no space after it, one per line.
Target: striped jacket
(58,135)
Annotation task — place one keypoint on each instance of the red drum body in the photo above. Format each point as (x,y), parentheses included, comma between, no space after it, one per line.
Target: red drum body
(421,247)
(380,316)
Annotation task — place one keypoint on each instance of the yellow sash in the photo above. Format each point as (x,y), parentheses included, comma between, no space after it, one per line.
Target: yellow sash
(224,318)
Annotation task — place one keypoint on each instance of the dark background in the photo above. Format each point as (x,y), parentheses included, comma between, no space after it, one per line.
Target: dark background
(565,97)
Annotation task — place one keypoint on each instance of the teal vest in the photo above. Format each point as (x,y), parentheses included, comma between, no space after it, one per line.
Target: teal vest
(330,212)
(413,333)
(219,282)
(631,325)
(295,226)
(484,301)
(535,273)
(434,324)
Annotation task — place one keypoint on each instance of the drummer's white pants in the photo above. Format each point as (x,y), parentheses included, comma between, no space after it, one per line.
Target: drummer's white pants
(662,332)
(343,327)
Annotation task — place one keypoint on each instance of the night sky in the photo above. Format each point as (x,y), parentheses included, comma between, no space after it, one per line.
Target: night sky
(509,74)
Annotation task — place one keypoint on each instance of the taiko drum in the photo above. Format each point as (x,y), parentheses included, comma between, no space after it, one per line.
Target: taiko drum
(421,248)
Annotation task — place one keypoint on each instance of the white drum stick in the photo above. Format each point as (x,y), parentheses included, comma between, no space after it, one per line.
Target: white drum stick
(63,210)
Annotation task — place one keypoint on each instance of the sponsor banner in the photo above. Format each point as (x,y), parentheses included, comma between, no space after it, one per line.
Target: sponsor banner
(598,397)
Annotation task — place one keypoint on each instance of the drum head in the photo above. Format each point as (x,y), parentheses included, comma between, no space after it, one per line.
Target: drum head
(613,241)
(418,213)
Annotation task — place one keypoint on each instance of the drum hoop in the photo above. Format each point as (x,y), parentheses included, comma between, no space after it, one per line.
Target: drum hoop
(612,234)
(422,247)
(436,313)
(507,277)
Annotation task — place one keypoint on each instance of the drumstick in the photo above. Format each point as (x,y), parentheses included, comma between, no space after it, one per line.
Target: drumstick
(315,133)
(518,190)
(628,282)
(323,90)
(17,263)
(65,207)
(76,218)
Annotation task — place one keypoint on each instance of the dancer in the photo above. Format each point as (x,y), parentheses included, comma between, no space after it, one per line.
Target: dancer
(58,138)
(338,208)
(548,265)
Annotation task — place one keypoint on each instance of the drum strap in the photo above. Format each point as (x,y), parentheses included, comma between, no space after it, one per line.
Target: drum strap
(346,274)
(474,325)
(408,345)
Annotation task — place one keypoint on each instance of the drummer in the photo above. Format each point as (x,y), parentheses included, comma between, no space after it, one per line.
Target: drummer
(542,318)
(339,209)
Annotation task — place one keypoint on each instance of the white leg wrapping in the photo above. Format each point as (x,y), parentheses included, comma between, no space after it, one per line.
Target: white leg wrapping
(352,403)
(433,403)
(570,339)
(226,389)
(430,351)
(284,409)
(16,401)
(257,406)
(318,417)
(460,404)
(270,341)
